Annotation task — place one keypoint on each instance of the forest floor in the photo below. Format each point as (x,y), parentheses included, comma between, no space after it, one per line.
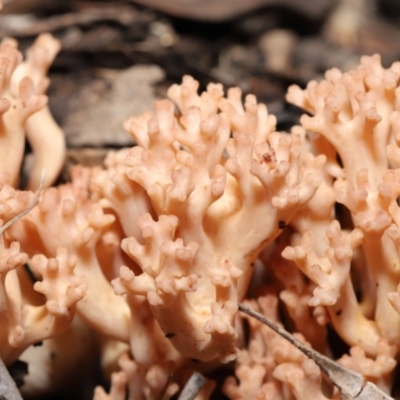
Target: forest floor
(118,57)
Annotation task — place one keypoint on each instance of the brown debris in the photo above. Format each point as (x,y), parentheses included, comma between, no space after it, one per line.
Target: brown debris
(220,10)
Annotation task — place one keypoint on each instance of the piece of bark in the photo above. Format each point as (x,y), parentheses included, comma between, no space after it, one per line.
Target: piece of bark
(8,389)
(97,113)
(192,387)
(120,14)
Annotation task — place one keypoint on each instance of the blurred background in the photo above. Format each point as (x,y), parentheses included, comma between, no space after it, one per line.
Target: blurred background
(119,56)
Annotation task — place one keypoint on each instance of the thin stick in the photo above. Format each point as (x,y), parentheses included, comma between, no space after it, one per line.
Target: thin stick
(280,331)
(351,384)
(28,210)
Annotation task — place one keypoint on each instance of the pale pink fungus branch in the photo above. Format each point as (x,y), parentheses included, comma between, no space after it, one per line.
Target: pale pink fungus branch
(204,202)
(42,131)
(66,217)
(25,324)
(17,105)
(358,113)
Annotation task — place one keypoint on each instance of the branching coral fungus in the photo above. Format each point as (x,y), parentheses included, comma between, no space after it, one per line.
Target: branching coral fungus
(23,111)
(16,106)
(43,133)
(23,321)
(66,217)
(356,112)
(196,256)
(155,250)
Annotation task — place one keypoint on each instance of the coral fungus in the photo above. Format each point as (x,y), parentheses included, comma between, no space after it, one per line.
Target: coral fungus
(155,250)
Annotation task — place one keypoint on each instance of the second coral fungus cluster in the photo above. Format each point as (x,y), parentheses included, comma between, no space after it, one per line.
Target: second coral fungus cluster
(155,250)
